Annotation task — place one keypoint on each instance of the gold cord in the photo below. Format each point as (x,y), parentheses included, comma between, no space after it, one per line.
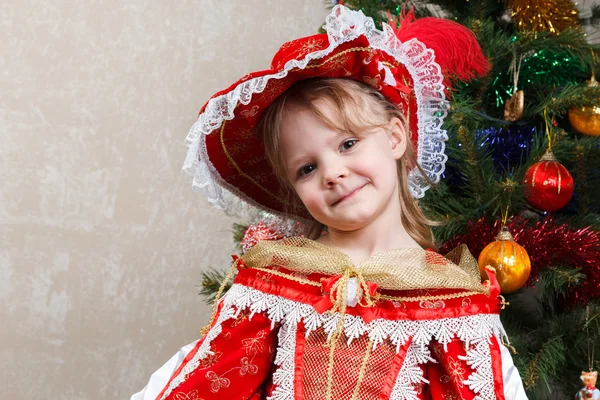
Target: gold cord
(505,214)
(228,277)
(341,287)
(363,367)
(239,170)
(593,66)
(547,130)
(503,302)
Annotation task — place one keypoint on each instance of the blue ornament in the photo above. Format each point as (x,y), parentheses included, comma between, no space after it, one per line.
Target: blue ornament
(509,145)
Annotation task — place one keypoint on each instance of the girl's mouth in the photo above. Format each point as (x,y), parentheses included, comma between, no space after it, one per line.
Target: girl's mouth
(347,196)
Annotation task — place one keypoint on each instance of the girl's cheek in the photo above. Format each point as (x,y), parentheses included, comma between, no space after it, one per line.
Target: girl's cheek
(301,192)
(307,195)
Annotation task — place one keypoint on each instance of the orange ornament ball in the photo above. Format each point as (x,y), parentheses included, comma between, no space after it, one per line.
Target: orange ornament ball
(509,259)
(585,120)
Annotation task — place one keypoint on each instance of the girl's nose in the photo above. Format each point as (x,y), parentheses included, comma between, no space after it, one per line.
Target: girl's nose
(333,174)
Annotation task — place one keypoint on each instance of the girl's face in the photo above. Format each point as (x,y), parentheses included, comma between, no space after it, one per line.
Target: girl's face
(345,181)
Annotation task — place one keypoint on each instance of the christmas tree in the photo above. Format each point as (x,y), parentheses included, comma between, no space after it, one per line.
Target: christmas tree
(522,184)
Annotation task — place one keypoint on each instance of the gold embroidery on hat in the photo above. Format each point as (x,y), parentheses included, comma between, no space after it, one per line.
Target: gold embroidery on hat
(338,55)
(246,134)
(309,46)
(237,149)
(262,177)
(273,90)
(254,160)
(239,170)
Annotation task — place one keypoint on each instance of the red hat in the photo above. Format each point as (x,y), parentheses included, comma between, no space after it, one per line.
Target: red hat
(407,65)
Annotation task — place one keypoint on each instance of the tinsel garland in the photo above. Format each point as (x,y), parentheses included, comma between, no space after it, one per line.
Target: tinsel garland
(548,244)
(543,68)
(509,145)
(544,15)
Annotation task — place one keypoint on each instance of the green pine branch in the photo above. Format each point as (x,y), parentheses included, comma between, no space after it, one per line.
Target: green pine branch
(559,102)
(557,282)
(211,281)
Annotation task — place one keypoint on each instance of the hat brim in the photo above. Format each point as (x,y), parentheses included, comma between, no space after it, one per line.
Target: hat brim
(227,158)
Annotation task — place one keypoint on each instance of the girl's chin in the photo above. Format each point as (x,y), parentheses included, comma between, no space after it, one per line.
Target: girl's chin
(348,226)
(349,220)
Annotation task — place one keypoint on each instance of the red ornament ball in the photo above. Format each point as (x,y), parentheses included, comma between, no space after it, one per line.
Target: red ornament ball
(548,184)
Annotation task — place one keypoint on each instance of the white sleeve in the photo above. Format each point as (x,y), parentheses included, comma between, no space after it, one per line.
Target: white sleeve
(159,379)
(513,386)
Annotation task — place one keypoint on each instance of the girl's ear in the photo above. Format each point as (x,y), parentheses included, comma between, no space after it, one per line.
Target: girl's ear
(398,137)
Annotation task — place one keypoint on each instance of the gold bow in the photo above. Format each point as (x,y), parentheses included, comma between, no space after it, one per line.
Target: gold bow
(400,269)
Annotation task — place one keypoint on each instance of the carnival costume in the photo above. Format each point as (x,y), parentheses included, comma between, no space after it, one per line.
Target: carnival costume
(301,321)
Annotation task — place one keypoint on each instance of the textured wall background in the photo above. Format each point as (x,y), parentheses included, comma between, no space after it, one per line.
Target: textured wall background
(101,239)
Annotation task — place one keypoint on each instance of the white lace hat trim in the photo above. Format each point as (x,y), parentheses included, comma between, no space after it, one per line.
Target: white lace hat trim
(342,25)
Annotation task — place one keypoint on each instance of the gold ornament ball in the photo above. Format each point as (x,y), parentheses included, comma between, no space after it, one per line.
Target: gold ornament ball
(510,260)
(585,120)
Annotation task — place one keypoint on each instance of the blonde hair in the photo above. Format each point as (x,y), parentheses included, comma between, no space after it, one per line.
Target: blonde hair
(346,96)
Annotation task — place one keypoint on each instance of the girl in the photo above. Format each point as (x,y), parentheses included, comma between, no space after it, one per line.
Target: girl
(343,133)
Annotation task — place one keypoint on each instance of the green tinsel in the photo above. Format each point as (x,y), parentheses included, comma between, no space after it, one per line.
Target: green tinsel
(542,71)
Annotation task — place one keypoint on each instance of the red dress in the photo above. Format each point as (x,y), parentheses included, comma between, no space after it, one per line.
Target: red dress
(301,322)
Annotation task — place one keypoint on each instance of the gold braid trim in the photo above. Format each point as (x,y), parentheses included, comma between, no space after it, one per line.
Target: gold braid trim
(228,277)
(363,367)
(426,298)
(341,287)
(288,276)
(379,296)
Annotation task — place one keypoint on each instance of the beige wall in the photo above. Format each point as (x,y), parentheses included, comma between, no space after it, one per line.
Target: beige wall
(101,239)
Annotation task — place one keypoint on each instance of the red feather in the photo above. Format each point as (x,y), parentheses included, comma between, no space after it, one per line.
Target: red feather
(455,46)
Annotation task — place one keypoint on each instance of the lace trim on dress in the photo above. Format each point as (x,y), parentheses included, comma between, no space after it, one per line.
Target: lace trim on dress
(342,25)
(411,374)
(476,329)
(481,381)
(283,378)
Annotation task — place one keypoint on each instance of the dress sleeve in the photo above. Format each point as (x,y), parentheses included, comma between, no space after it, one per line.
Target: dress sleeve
(159,379)
(231,361)
(513,386)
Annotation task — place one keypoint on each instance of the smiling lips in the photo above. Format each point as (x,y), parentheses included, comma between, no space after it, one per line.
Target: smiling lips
(352,193)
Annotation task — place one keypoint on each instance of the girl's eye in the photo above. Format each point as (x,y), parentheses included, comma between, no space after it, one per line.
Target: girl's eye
(348,144)
(305,170)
